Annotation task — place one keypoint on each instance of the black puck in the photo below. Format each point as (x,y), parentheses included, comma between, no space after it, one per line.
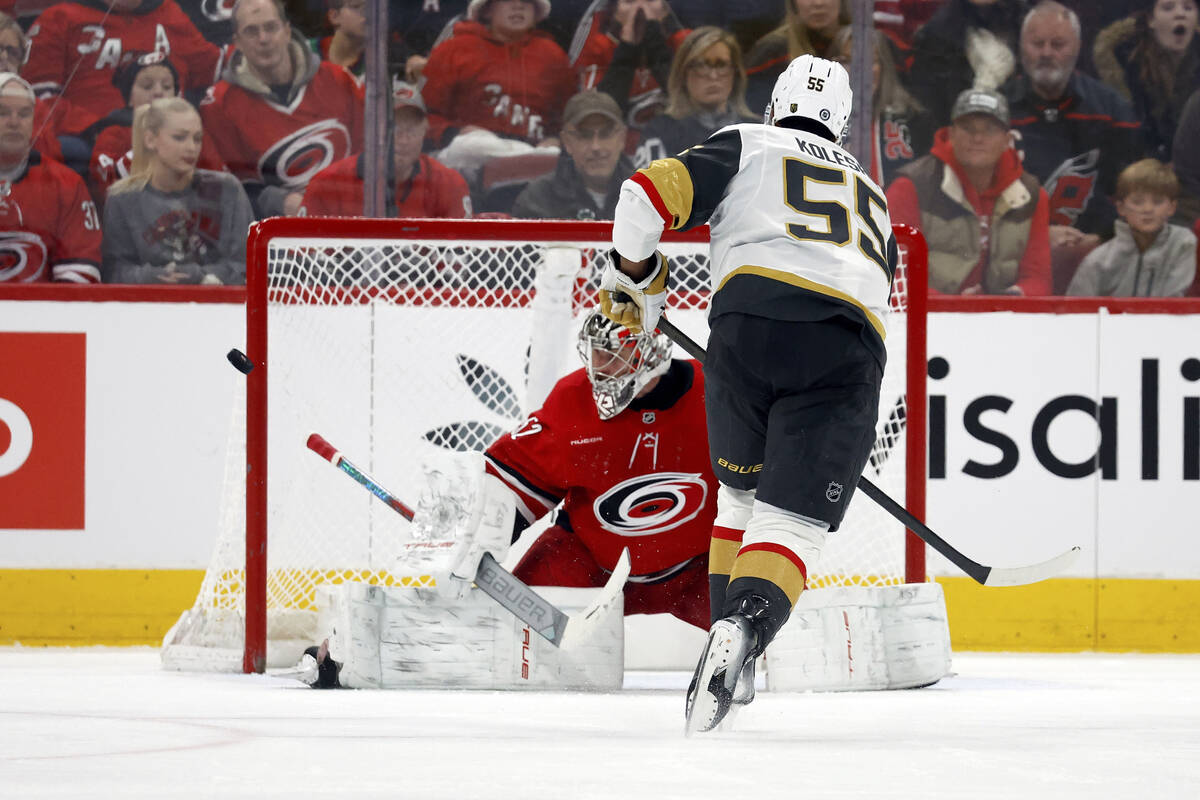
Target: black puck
(240,361)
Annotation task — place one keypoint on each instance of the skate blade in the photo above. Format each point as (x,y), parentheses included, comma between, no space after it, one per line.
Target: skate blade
(705,710)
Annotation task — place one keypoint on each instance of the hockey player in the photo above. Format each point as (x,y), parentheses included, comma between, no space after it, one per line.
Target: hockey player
(634,474)
(802,262)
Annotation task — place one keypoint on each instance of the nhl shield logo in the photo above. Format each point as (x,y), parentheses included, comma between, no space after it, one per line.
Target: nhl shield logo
(833,492)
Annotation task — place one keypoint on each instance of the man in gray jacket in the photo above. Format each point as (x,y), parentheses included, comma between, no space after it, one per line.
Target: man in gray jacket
(587,180)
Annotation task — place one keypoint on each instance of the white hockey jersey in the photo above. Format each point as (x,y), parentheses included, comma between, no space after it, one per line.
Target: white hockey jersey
(798,228)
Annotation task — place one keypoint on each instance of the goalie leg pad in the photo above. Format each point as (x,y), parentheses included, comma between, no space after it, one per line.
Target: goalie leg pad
(413,638)
(858,637)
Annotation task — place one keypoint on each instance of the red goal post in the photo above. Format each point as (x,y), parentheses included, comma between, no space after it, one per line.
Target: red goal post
(478,283)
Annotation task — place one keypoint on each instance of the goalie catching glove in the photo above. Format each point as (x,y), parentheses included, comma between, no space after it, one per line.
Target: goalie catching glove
(635,304)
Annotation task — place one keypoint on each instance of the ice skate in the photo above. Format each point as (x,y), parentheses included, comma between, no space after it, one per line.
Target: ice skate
(711,693)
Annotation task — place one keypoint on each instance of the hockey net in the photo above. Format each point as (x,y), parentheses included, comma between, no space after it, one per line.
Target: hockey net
(397,339)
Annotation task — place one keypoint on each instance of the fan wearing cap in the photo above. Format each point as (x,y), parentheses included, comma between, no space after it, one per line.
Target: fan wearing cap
(986,220)
(76,46)
(50,228)
(587,180)
(419,185)
(618,454)
(141,78)
(498,73)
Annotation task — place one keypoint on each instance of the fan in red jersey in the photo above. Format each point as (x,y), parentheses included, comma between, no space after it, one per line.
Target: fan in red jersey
(49,228)
(76,47)
(279,114)
(634,473)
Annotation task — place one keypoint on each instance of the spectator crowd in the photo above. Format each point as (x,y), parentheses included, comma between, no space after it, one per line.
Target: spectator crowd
(1042,147)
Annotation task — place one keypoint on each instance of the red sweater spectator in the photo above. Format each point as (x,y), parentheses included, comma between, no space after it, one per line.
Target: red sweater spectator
(49,228)
(496,72)
(430,190)
(76,47)
(986,220)
(627,55)
(421,187)
(279,115)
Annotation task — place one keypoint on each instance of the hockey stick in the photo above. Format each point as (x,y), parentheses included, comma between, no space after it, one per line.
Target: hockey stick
(498,583)
(988,576)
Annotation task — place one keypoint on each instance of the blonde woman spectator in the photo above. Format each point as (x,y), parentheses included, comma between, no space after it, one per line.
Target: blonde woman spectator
(706,91)
(808,28)
(1147,256)
(169,222)
(903,129)
(49,229)
(625,51)
(1152,59)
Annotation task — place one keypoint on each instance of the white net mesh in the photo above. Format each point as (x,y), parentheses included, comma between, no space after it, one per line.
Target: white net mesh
(396,348)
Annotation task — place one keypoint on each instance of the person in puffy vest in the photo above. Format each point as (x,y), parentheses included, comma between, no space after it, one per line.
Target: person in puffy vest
(985,219)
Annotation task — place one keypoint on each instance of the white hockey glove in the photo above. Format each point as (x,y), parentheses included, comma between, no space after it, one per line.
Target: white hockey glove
(489,529)
(635,304)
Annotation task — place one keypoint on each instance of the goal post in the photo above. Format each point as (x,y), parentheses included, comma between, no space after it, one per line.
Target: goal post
(405,337)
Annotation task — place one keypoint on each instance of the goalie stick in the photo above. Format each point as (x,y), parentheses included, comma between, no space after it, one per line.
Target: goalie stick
(543,617)
(988,576)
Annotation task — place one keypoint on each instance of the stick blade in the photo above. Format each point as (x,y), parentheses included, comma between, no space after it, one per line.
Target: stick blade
(580,626)
(1021,576)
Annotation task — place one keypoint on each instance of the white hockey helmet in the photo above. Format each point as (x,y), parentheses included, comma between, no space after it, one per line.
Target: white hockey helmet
(816,89)
(619,363)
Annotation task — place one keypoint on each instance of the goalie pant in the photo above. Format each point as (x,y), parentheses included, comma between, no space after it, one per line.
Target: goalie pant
(796,345)
(640,480)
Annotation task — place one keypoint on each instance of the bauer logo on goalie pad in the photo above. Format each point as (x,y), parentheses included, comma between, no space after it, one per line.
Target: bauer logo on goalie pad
(650,504)
(834,492)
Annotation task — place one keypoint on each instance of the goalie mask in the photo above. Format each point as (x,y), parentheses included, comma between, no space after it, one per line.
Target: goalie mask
(816,89)
(619,363)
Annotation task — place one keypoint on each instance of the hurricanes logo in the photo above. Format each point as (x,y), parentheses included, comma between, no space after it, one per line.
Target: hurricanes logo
(22,256)
(650,504)
(294,160)
(217,10)
(1071,187)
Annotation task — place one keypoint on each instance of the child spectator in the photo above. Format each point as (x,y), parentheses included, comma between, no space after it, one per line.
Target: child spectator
(496,82)
(985,219)
(49,228)
(418,186)
(903,129)
(809,27)
(142,78)
(76,47)
(706,91)
(1147,256)
(279,114)
(626,53)
(1152,59)
(169,222)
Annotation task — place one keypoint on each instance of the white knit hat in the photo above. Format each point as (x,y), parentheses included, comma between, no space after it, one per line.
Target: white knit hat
(541,9)
(14,85)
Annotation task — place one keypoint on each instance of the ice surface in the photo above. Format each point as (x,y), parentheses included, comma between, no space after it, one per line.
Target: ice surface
(110,723)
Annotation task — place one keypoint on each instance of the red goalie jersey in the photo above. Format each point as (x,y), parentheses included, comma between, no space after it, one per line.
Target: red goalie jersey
(641,480)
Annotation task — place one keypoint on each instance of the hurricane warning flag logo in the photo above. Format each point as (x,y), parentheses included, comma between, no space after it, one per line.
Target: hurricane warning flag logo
(650,504)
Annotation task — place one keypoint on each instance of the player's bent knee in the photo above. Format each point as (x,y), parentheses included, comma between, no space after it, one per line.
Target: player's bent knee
(802,536)
(734,507)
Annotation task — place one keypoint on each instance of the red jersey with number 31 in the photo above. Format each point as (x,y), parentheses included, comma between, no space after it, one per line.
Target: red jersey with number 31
(641,480)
